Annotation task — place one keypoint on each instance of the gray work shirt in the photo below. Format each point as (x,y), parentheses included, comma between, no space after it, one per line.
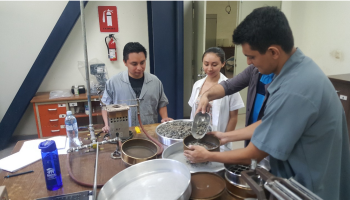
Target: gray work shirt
(119,91)
(304,129)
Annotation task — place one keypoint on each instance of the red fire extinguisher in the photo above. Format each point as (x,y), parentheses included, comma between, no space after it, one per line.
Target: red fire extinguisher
(111,47)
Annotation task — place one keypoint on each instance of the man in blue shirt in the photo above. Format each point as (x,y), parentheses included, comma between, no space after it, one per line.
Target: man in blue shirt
(304,126)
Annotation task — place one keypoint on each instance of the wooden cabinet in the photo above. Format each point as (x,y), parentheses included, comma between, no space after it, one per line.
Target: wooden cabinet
(50,113)
(341,84)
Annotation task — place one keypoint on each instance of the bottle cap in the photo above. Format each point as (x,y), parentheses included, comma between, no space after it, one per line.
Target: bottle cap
(47,146)
(69,112)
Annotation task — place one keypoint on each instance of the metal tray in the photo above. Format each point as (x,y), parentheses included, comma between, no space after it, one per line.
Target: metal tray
(176,152)
(150,180)
(169,141)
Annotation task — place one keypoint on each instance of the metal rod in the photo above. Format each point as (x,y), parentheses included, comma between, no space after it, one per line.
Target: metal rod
(91,128)
(95,177)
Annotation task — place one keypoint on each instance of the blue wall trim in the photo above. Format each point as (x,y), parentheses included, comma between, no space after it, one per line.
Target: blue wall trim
(167,46)
(38,71)
(150,36)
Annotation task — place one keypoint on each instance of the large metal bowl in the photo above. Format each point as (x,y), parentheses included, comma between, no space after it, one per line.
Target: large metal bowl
(169,141)
(176,152)
(150,180)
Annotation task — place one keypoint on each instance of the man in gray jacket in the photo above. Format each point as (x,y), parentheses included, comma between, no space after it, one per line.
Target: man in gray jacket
(136,83)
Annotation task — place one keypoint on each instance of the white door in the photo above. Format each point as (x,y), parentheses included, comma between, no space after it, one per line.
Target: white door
(194,46)
(244,9)
(210,31)
(199,26)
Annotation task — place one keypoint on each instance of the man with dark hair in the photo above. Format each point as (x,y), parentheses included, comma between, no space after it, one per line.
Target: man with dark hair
(136,83)
(304,126)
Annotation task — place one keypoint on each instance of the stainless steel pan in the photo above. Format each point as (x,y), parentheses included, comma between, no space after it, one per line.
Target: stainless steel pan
(150,180)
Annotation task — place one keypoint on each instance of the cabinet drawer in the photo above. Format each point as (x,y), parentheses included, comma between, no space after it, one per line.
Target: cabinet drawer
(53,131)
(52,118)
(343,89)
(51,109)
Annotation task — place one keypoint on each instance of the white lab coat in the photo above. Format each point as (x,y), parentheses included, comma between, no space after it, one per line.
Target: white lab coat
(220,108)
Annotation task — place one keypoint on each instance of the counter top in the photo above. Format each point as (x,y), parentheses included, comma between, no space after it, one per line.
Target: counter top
(32,186)
(41,97)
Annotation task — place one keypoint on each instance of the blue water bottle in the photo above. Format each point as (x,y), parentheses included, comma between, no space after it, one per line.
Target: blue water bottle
(51,164)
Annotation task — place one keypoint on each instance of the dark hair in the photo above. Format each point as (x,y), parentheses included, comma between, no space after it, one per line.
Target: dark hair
(218,51)
(264,27)
(133,47)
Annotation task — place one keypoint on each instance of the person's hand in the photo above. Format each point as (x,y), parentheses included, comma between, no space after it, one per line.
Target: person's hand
(203,105)
(196,154)
(223,137)
(105,129)
(167,119)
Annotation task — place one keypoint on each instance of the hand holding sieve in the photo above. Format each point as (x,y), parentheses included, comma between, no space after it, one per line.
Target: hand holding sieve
(200,125)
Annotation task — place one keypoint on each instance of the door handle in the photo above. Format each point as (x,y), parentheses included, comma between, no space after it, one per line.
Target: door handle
(53,120)
(54,131)
(52,109)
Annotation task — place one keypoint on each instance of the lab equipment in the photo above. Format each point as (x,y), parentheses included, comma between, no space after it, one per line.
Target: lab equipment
(83,195)
(51,165)
(72,130)
(200,125)
(76,90)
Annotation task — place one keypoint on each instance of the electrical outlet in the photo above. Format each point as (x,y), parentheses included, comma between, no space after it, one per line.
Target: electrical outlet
(343,97)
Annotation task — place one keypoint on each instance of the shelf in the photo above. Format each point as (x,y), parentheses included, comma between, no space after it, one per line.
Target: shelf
(85,115)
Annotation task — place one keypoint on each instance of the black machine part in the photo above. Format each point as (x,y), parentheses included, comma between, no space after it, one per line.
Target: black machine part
(81,89)
(83,195)
(279,188)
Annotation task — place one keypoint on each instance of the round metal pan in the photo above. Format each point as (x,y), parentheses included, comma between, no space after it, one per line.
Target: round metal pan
(207,186)
(176,152)
(209,140)
(138,150)
(169,141)
(157,179)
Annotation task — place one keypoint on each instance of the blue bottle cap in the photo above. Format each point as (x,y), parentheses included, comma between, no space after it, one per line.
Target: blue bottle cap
(47,146)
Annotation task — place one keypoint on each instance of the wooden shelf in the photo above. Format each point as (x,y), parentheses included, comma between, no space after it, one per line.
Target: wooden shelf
(85,115)
(43,97)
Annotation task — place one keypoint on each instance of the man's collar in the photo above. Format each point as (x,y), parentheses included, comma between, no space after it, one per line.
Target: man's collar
(126,77)
(291,63)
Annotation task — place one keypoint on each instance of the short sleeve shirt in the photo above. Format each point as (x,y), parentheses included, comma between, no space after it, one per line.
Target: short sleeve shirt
(304,129)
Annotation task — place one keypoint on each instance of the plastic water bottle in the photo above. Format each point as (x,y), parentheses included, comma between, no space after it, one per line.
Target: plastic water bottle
(72,130)
(51,164)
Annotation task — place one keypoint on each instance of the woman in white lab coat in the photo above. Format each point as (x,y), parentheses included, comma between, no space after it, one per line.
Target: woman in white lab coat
(225,110)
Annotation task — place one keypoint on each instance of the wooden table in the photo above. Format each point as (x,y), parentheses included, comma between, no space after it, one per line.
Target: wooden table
(33,186)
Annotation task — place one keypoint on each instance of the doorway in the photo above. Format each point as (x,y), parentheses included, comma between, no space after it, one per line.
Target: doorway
(198,36)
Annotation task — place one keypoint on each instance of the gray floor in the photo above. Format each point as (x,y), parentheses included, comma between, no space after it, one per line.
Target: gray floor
(7,151)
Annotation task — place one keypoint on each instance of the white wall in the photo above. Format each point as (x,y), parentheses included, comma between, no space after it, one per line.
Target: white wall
(320,29)
(29,30)
(226,23)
